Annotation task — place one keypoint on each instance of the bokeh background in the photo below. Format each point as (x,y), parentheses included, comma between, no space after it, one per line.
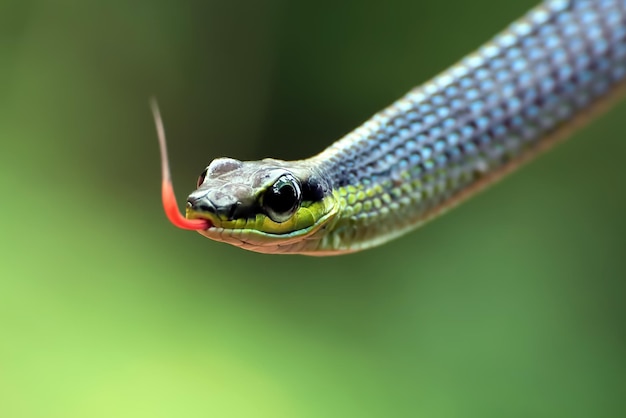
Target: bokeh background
(510,306)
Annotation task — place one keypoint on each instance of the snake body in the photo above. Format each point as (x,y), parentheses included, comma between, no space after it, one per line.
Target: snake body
(440,143)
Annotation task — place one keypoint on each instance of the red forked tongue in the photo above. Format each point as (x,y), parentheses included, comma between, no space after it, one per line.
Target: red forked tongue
(167,190)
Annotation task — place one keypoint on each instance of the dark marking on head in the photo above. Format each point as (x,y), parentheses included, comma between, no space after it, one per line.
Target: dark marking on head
(313,190)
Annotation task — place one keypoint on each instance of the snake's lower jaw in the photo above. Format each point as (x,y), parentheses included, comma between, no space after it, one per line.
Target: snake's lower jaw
(261,242)
(301,241)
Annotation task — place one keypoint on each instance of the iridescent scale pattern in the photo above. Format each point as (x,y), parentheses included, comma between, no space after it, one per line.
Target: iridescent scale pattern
(492,109)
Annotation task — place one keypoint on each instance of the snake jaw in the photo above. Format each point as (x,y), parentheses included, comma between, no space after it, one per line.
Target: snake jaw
(301,241)
(194,216)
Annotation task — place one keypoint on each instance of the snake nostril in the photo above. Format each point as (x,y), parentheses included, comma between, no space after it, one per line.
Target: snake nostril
(201,205)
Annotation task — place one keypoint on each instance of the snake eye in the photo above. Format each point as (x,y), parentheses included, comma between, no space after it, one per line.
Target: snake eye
(282,199)
(202,177)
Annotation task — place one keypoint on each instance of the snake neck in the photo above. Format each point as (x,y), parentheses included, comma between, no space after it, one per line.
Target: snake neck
(473,123)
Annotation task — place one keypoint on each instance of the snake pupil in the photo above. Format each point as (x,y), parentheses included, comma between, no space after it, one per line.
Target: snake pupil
(282,199)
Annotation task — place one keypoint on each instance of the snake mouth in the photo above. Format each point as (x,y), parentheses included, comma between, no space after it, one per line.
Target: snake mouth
(208,218)
(215,222)
(245,233)
(259,241)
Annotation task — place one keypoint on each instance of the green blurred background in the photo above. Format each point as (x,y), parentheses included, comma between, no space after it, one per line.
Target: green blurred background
(510,306)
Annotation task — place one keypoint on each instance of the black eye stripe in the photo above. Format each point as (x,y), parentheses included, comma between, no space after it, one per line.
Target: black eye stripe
(313,190)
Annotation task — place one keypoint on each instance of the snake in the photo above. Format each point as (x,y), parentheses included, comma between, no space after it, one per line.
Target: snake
(532,85)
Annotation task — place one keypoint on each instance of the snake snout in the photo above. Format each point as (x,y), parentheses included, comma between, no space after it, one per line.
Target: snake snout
(208,204)
(202,205)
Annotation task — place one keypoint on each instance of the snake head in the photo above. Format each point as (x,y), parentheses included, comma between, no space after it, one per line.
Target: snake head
(266,206)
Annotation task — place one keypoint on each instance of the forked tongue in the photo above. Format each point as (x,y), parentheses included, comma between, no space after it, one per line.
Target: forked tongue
(167,189)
